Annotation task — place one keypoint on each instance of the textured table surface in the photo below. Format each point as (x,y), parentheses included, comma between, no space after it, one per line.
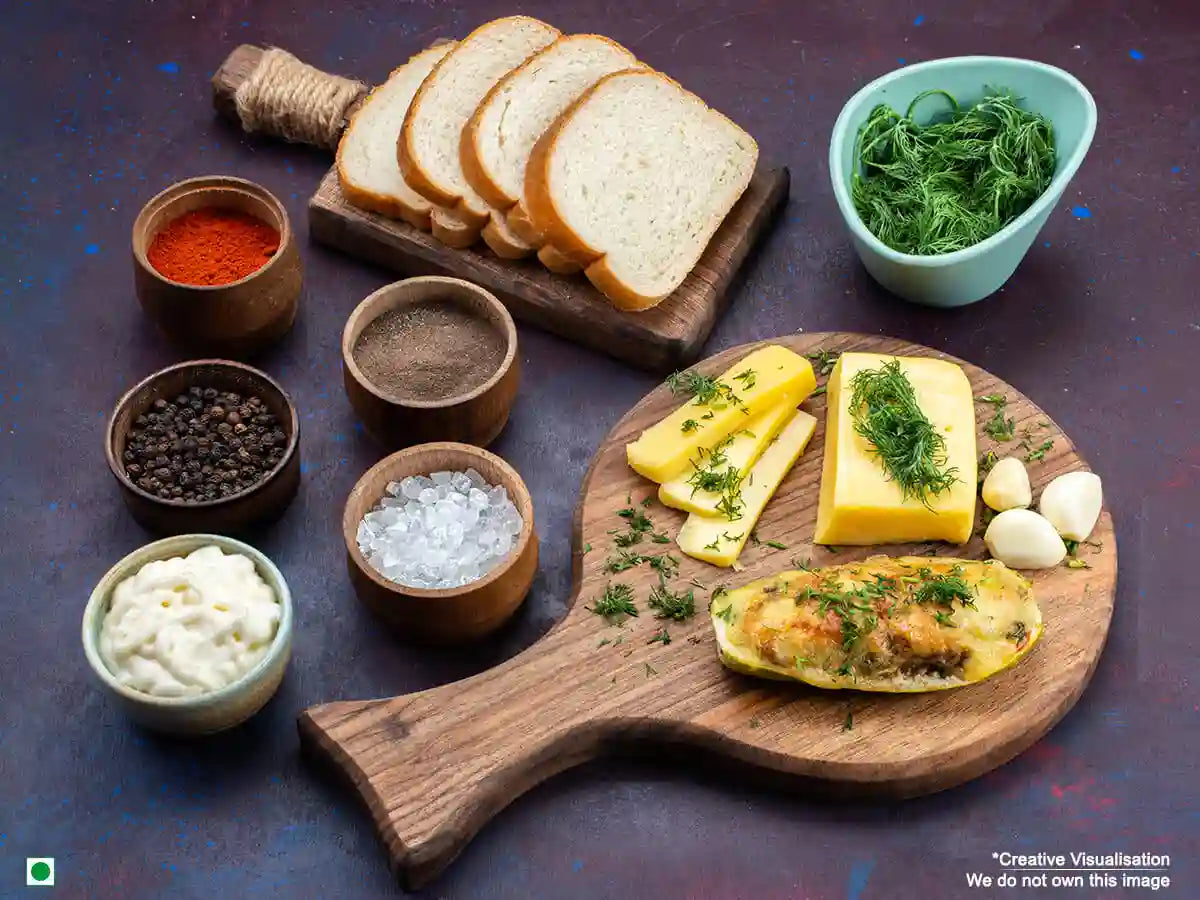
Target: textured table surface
(108,102)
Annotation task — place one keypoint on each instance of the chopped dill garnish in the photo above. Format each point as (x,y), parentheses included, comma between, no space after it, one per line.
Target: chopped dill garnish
(777,545)
(1072,546)
(998,427)
(817,392)
(747,378)
(706,390)
(911,450)
(650,670)
(671,605)
(661,637)
(636,518)
(848,725)
(943,590)
(615,603)
(987,462)
(754,537)
(944,618)
(732,538)
(823,361)
(664,564)
(659,538)
(587,548)
(603,642)
(689,426)
(956,181)
(695,582)
(719,591)
(1037,454)
(715,545)
(804,565)
(726,614)
(646,503)
(628,539)
(1017,633)
(622,561)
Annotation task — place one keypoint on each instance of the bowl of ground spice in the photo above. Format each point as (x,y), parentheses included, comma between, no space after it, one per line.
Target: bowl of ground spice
(207,446)
(431,359)
(216,266)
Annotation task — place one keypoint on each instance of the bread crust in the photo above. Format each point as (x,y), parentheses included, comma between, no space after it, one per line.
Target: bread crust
(416,177)
(503,245)
(452,231)
(553,259)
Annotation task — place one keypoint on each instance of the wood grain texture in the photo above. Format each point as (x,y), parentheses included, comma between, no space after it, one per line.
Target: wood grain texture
(666,337)
(434,766)
(453,615)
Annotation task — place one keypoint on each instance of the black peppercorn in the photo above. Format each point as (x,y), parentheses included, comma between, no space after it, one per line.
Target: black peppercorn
(204,445)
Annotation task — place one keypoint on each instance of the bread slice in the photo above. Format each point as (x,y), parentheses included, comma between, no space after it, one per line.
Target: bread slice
(366,155)
(499,137)
(428,145)
(632,182)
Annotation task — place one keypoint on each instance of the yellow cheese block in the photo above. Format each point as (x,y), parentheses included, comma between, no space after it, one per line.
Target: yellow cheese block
(740,451)
(859,505)
(758,381)
(716,540)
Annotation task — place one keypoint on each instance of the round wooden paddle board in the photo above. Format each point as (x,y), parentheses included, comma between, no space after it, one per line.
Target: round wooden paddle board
(434,766)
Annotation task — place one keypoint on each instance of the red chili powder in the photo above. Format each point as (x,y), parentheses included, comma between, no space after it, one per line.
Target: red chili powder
(210,246)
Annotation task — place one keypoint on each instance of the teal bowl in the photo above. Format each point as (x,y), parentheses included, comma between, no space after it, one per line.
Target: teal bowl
(203,714)
(964,276)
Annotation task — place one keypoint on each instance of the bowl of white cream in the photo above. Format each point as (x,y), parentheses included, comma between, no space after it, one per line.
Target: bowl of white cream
(191,634)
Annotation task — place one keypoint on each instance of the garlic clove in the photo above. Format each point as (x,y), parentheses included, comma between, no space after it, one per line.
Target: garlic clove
(1022,539)
(1007,485)
(1071,503)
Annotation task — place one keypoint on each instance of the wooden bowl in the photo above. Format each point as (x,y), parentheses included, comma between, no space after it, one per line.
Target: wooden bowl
(476,417)
(451,615)
(262,503)
(237,319)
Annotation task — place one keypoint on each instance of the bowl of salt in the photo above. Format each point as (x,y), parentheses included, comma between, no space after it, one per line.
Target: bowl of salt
(440,542)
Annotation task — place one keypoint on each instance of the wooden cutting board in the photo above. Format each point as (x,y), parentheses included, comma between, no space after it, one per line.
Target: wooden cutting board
(434,766)
(666,337)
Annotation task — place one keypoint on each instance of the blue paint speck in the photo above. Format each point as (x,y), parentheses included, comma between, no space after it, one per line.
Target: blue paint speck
(53,506)
(305,468)
(1174,170)
(1136,54)
(900,60)
(918,20)
(860,873)
(577,866)
(171,68)
(1081,212)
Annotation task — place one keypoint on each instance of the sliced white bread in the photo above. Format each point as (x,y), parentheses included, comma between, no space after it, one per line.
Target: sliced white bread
(428,145)
(366,156)
(451,230)
(499,137)
(632,182)
(557,261)
(501,239)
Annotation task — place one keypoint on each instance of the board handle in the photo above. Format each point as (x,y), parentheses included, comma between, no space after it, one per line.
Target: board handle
(433,767)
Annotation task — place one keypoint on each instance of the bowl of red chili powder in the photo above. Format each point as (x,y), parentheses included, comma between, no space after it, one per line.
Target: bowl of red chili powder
(216,265)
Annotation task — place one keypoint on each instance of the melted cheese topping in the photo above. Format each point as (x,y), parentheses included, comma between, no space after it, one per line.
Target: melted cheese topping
(795,624)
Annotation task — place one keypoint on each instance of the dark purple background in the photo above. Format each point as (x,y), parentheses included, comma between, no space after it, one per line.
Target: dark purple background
(108,102)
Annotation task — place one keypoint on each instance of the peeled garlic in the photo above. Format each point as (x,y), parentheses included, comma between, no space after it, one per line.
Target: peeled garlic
(1007,485)
(1072,504)
(1021,539)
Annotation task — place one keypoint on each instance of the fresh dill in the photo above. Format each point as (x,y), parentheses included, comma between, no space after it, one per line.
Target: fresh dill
(615,603)
(726,614)
(689,426)
(748,378)
(669,604)
(587,548)
(1038,453)
(911,450)
(955,181)
(619,562)
(848,725)
(943,590)
(1017,633)
(817,392)
(777,545)
(719,591)
(664,564)
(987,462)
(754,537)
(715,545)
(823,361)
(662,637)
(999,427)
(706,390)
(659,538)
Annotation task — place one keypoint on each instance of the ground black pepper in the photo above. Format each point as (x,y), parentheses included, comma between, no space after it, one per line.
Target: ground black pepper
(429,351)
(203,445)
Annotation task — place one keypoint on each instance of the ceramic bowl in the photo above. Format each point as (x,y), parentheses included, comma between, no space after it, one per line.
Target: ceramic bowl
(965,276)
(237,319)
(452,615)
(260,504)
(208,713)
(476,417)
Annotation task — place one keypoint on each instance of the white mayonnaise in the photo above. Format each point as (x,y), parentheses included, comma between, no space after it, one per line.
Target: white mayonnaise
(189,625)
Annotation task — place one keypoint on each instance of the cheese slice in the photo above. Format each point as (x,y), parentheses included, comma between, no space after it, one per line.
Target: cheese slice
(740,451)
(716,540)
(768,375)
(859,503)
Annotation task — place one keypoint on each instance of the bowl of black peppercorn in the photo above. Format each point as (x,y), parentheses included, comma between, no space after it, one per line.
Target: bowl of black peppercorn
(208,446)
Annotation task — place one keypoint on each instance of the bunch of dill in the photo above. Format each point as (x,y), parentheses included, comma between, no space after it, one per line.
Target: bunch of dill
(945,186)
